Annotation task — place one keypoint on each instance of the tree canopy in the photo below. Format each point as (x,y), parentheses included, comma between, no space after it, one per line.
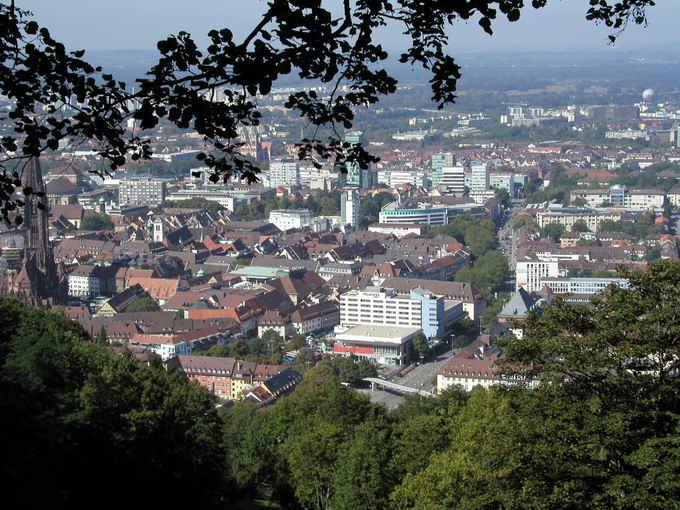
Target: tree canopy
(46,81)
(600,428)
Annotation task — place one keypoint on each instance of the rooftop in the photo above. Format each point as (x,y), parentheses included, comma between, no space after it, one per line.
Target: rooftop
(386,334)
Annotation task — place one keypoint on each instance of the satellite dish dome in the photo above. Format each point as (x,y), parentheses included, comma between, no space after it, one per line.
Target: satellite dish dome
(648,94)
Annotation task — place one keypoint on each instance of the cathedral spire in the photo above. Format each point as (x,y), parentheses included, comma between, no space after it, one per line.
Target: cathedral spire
(39,263)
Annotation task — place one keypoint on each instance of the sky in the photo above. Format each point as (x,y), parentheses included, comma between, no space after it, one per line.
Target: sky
(139,24)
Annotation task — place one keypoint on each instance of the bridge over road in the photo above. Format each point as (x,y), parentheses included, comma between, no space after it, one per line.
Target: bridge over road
(375,382)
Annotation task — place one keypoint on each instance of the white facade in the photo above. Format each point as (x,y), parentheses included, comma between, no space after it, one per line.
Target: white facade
(146,191)
(581,285)
(288,219)
(284,173)
(376,306)
(83,286)
(453,178)
(479,178)
(569,216)
(392,178)
(167,350)
(530,273)
(620,196)
(350,203)
(466,381)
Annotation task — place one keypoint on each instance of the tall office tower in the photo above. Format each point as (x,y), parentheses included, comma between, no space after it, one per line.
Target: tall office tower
(453,178)
(439,161)
(350,203)
(358,177)
(480,177)
(284,173)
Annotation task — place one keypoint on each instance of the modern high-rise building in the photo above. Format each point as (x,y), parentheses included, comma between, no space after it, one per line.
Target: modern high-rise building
(358,177)
(439,161)
(479,177)
(453,178)
(381,306)
(284,173)
(142,191)
(350,203)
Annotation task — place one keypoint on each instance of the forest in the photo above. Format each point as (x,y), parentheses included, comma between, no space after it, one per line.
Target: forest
(588,419)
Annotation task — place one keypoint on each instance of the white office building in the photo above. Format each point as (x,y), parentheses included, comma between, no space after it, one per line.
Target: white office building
(479,178)
(584,286)
(383,306)
(393,178)
(284,173)
(143,191)
(350,203)
(530,273)
(621,196)
(286,219)
(453,179)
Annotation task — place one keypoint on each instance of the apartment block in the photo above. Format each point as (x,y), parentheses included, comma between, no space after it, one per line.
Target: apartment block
(142,191)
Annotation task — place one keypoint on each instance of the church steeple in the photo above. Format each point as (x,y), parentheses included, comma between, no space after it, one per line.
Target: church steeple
(38,256)
(35,216)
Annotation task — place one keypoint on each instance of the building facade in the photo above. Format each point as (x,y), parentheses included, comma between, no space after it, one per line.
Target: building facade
(383,345)
(383,306)
(285,219)
(439,161)
(142,191)
(284,173)
(530,273)
(350,203)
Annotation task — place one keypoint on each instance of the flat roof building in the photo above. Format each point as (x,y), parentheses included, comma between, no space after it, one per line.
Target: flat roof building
(384,345)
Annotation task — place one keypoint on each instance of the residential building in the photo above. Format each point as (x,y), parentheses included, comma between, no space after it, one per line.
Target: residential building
(287,219)
(383,345)
(212,372)
(674,193)
(82,282)
(272,320)
(141,191)
(274,387)
(567,216)
(166,346)
(122,300)
(471,367)
(311,319)
(284,173)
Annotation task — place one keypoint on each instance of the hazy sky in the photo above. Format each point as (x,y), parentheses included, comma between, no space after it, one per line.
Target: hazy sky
(138,24)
